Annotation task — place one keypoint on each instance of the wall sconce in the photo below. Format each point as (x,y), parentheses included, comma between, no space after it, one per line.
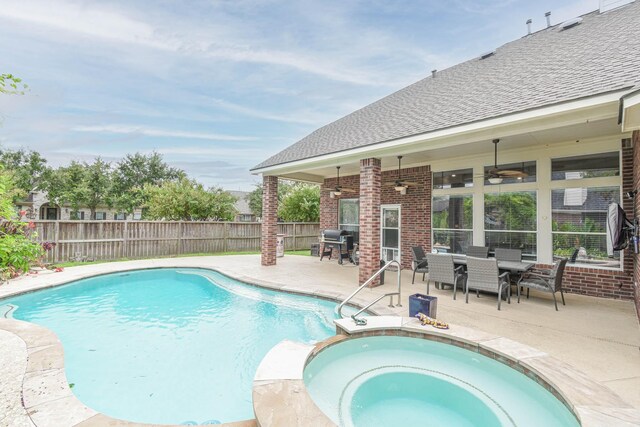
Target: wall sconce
(332,195)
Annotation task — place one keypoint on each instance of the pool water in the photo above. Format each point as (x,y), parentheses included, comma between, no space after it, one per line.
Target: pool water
(400,381)
(177,346)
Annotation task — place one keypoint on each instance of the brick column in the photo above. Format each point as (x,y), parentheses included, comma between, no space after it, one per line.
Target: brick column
(636,185)
(370,196)
(269,219)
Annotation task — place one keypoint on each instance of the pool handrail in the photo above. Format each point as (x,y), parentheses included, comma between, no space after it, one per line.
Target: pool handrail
(361,321)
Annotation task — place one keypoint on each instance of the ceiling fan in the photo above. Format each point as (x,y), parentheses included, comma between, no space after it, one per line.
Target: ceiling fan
(496,175)
(338,189)
(400,184)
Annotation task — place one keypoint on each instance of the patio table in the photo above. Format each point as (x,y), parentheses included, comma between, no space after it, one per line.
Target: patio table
(512,266)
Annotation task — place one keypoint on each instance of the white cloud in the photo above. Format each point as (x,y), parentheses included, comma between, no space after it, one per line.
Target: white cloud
(141,130)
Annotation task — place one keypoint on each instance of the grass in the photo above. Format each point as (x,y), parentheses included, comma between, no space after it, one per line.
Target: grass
(305,252)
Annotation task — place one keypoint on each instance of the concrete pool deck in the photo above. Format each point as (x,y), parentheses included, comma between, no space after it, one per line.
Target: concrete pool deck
(597,336)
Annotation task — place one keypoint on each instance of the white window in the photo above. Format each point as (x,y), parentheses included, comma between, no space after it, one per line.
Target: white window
(579,208)
(101,216)
(390,232)
(510,221)
(452,223)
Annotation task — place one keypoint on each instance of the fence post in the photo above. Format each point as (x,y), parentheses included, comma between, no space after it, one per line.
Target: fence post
(125,239)
(295,236)
(225,237)
(56,239)
(180,248)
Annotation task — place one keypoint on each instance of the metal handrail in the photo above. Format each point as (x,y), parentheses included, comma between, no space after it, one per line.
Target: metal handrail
(360,321)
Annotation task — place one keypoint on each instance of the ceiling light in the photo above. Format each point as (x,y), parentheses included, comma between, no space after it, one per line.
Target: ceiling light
(495,180)
(520,178)
(337,193)
(453,175)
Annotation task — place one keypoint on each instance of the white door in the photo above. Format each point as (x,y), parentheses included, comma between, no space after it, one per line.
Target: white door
(390,232)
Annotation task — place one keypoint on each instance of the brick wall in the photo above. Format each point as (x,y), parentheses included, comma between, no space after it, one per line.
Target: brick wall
(269,227)
(415,206)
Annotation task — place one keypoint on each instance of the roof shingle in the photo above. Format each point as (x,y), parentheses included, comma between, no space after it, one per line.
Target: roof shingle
(551,66)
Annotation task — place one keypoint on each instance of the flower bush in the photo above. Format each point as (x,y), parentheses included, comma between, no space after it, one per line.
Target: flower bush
(19,249)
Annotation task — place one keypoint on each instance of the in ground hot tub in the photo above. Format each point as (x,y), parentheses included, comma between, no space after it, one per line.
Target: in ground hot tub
(402,381)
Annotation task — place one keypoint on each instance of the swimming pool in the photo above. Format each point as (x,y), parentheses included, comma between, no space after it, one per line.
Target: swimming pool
(169,345)
(394,380)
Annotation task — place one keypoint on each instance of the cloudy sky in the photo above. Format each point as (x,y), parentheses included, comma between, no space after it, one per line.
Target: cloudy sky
(217,86)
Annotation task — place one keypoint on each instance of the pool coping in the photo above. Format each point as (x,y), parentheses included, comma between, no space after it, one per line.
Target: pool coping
(280,396)
(46,395)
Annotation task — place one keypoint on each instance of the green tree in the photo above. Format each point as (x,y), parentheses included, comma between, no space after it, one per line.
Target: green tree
(188,200)
(28,168)
(254,198)
(12,85)
(80,185)
(133,173)
(98,183)
(301,204)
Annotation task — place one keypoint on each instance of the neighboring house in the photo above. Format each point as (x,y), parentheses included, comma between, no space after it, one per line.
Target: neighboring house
(37,207)
(242,206)
(564,103)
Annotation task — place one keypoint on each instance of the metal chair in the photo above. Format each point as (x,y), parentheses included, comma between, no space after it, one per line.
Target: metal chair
(419,262)
(442,270)
(503,254)
(545,280)
(483,275)
(478,251)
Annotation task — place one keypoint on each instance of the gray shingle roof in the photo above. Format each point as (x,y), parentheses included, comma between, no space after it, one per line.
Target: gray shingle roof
(548,67)
(242,205)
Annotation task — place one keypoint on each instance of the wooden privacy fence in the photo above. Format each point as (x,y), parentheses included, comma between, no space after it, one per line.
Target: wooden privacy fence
(104,240)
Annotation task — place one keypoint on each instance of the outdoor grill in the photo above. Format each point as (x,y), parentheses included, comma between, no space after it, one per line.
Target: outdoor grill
(339,241)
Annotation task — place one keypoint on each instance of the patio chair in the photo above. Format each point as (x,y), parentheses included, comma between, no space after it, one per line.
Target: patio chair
(503,254)
(483,275)
(419,262)
(545,280)
(442,270)
(478,251)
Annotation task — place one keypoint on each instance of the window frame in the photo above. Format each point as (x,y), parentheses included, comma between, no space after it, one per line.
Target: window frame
(445,193)
(340,225)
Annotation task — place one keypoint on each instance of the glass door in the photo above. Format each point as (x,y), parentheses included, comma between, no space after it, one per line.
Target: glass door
(390,232)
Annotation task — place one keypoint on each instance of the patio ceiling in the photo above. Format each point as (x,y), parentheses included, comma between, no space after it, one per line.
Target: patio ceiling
(543,131)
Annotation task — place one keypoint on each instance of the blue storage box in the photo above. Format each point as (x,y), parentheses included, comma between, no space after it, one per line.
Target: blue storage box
(424,304)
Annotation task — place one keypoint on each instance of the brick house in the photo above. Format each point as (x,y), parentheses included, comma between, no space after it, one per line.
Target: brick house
(564,103)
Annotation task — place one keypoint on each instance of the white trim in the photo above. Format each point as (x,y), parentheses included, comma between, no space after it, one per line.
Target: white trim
(630,119)
(608,103)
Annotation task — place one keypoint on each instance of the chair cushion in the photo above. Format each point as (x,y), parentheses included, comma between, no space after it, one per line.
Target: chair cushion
(534,284)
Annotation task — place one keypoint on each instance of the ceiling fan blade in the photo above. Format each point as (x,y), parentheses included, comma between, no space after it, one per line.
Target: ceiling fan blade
(409,183)
(348,190)
(513,173)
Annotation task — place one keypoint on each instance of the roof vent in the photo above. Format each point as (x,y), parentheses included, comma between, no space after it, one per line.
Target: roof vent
(548,16)
(433,73)
(570,23)
(529,21)
(487,54)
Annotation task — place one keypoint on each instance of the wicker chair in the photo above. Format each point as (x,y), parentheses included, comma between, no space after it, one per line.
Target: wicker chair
(503,254)
(545,280)
(419,262)
(483,275)
(478,251)
(442,270)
